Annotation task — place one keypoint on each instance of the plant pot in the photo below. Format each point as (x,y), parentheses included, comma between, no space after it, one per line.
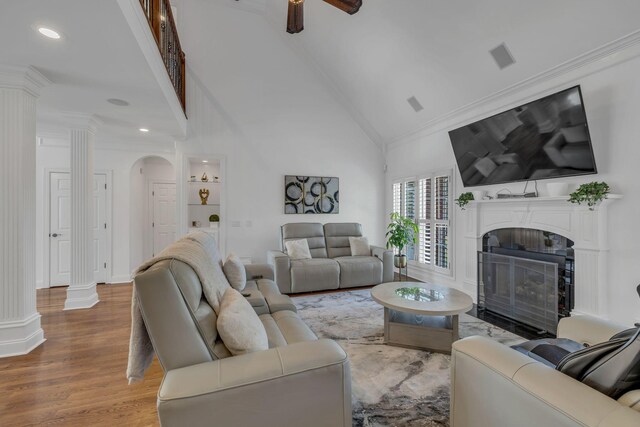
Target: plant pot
(400,261)
(213,224)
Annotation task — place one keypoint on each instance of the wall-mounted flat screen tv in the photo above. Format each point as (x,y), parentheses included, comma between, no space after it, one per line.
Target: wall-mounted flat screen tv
(547,138)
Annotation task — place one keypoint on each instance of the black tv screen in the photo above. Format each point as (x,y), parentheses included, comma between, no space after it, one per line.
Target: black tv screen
(547,138)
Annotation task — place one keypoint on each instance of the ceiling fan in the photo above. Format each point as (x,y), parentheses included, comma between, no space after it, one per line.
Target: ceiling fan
(295,18)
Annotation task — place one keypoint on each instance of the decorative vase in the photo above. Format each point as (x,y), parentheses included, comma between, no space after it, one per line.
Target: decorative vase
(204,195)
(400,261)
(204,178)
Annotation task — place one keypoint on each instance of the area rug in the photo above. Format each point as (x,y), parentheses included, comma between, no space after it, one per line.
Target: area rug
(391,386)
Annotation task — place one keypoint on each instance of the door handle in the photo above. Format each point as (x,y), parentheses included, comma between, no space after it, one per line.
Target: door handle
(55,235)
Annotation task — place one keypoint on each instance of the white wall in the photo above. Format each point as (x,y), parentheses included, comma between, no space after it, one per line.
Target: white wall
(256,104)
(53,153)
(611,91)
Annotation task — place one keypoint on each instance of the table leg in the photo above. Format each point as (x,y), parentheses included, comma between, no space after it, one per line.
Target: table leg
(454,328)
(386,325)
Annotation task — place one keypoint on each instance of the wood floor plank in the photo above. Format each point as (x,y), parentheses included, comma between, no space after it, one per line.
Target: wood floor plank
(77,377)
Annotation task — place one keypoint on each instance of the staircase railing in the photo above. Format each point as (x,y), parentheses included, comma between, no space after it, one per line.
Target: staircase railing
(163,27)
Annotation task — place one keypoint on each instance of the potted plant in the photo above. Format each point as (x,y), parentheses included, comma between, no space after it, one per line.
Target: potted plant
(590,193)
(463,199)
(214,220)
(400,232)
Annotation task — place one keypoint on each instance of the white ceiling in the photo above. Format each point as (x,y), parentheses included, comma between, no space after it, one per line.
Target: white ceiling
(437,50)
(98,58)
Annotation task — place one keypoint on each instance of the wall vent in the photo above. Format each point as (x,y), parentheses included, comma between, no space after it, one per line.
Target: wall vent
(502,56)
(415,104)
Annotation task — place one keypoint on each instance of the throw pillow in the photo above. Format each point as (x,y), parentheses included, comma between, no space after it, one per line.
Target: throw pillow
(298,249)
(359,246)
(239,326)
(235,272)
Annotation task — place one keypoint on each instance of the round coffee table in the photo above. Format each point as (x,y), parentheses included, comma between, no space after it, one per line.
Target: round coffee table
(421,315)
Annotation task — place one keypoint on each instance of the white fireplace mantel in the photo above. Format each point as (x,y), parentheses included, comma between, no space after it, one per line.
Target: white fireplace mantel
(587,228)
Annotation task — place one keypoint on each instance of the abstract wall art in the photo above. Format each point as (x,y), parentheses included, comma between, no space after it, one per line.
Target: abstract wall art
(311,195)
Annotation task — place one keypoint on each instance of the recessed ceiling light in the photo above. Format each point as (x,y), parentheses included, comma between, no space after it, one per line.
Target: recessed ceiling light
(48,32)
(118,102)
(205,161)
(144,130)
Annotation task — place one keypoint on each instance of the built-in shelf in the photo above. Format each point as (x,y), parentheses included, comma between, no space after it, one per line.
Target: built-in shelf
(200,204)
(534,199)
(203,182)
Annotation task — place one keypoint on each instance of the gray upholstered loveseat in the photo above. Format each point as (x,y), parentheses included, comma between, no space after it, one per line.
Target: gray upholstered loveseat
(331,265)
(299,380)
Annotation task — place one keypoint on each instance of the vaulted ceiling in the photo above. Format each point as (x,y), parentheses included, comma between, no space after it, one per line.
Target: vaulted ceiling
(438,50)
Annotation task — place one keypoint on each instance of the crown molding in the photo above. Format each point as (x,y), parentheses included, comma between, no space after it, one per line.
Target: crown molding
(26,78)
(601,58)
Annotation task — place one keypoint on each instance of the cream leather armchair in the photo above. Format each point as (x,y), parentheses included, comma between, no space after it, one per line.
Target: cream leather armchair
(493,385)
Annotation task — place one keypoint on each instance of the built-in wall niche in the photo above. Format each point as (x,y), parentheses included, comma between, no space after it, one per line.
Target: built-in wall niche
(203,177)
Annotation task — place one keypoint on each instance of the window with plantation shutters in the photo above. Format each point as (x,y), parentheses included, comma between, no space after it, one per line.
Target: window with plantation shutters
(427,200)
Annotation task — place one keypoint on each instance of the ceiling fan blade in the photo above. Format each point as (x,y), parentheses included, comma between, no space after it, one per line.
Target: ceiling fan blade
(295,16)
(349,6)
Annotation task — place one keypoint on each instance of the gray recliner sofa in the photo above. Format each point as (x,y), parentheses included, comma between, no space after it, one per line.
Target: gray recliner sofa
(331,265)
(299,380)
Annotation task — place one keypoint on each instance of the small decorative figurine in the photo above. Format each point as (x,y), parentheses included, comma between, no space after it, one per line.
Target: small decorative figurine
(204,195)
(204,178)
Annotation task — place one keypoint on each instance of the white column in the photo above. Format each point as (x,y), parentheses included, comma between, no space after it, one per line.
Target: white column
(81,292)
(20,330)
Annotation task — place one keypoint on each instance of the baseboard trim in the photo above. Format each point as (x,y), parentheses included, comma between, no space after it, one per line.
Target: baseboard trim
(120,279)
(81,296)
(20,337)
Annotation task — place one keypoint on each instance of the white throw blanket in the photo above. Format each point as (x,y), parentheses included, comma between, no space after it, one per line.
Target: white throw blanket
(198,250)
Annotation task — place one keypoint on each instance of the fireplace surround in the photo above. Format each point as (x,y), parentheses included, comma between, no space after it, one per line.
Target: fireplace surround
(586,228)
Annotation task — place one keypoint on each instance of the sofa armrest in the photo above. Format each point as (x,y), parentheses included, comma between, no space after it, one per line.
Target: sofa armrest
(386,256)
(587,329)
(307,383)
(523,392)
(282,266)
(259,271)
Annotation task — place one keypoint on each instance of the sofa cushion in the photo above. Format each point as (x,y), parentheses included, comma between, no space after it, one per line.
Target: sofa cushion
(314,274)
(239,326)
(337,237)
(235,272)
(286,327)
(271,293)
(298,249)
(359,246)
(255,298)
(359,271)
(312,231)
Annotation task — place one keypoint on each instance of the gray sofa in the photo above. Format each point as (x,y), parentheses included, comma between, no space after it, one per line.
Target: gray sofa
(300,380)
(493,385)
(332,266)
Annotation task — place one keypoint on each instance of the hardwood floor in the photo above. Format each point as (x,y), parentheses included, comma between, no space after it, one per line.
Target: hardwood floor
(77,377)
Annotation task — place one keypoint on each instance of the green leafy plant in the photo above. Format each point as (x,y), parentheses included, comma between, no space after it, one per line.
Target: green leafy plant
(463,199)
(214,218)
(590,193)
(401,231)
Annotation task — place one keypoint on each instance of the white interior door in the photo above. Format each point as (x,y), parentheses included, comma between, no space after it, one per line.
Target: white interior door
(60,228)
(100,228)
(164,215)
